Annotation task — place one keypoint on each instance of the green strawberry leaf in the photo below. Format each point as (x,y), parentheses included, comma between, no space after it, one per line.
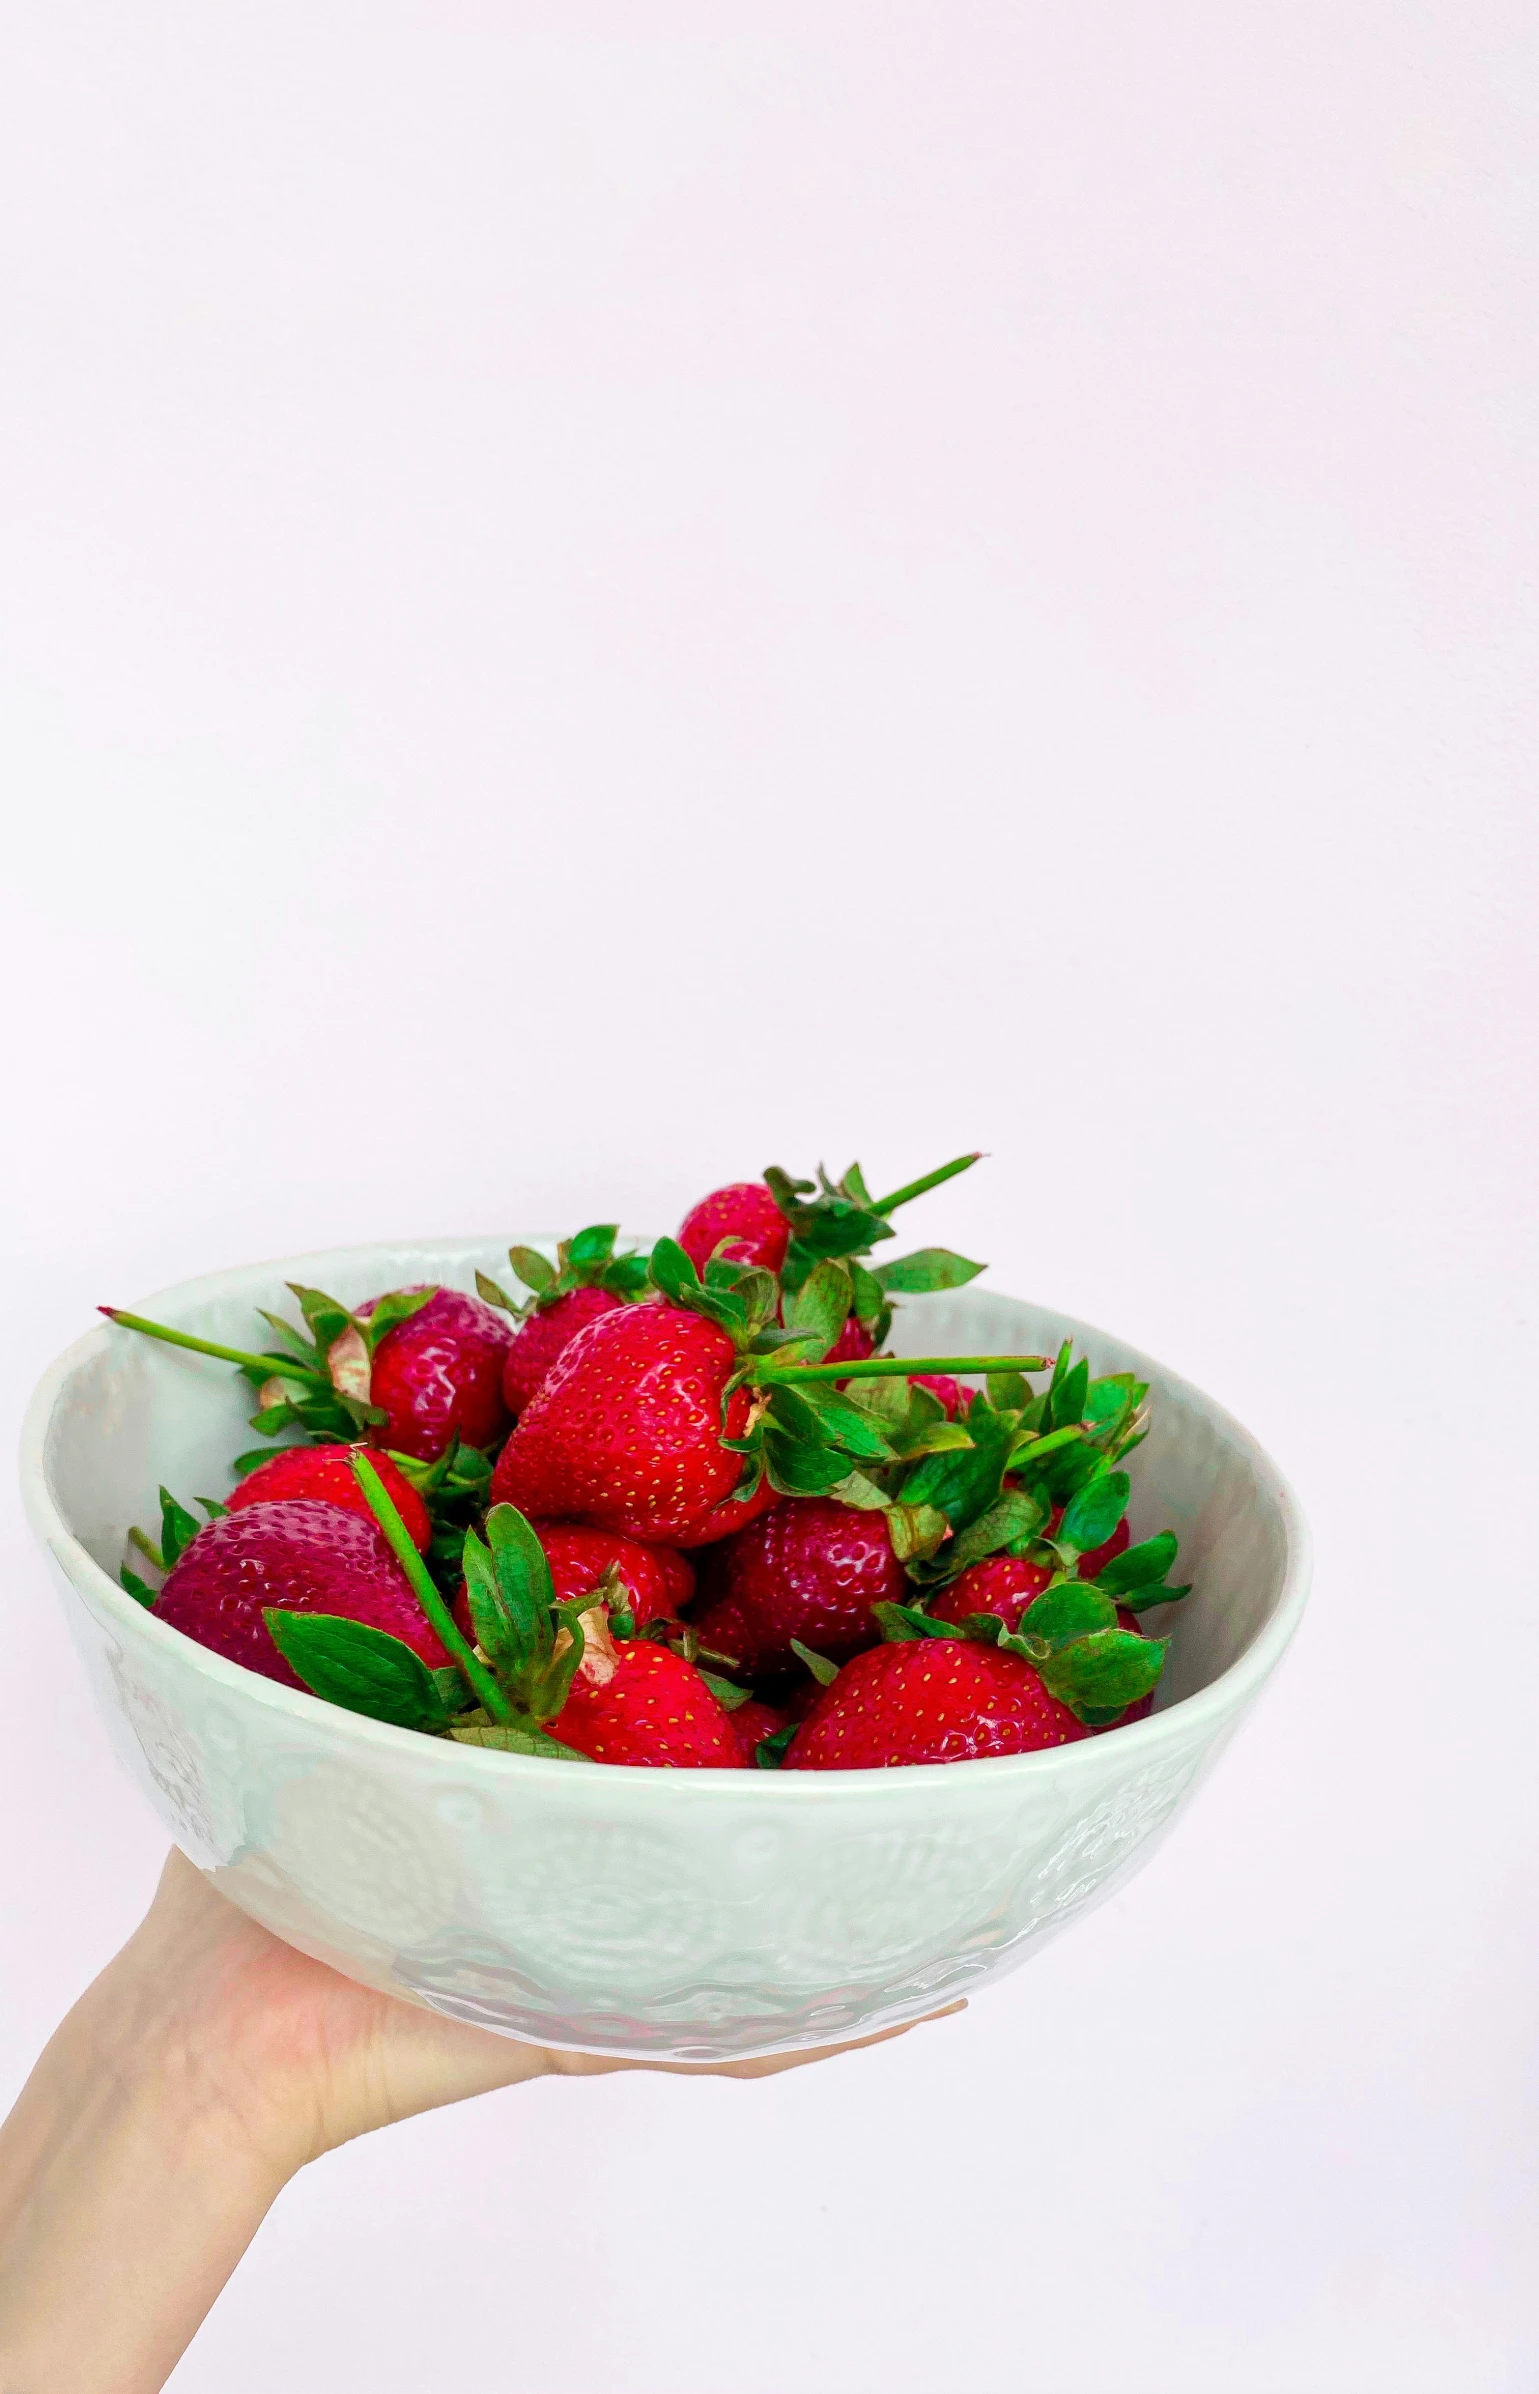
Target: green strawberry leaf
(770,1751)
(821,1305)
(591,1249)
(823,1671)
(1066,1402)
(138,1589)
(177,1528)
(843,1230)
(1105,1672)
(1108,1401)
(857,1491)
(626,1277)
(726,1691)
(1059,1616)
(243,1464)
(297,1348)
(326,1317)
(901,1623)
(510,1644)
(869,1296)
(535,1270)
(802,1467)
(962,1485)
(916,1531)
(1139,1566)
(928,1268)
(1031,1453)
(1144,1600)
(492,1292)
(1014,1518)
(1009,1392)
(672,1272)
(1094,1512)
(513,1737)
(819,1411)
(511,1595)
(887,1401)
(364,1669)
(397,1306)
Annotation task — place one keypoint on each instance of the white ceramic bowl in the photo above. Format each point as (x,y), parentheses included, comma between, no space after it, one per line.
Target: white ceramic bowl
(694,1915)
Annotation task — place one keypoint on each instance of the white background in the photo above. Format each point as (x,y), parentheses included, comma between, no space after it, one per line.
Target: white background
(592,598)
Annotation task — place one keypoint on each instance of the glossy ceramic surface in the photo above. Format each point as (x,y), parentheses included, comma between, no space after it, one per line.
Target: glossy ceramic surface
(686,1914)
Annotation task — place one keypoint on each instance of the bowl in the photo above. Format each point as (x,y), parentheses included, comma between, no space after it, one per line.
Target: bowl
(683,1915)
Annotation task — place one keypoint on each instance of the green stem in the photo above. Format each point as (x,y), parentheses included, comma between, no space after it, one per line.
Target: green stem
(895,1367)
(427,1594)
(266,1364)
(1025,1456)
(931,1180)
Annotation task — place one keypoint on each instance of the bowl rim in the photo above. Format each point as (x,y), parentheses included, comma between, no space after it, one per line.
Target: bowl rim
(1205,1712)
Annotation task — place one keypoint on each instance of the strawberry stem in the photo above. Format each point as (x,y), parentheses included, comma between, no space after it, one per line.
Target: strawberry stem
(894,1367)
(931,1180)
(268,1365)
(428,1596)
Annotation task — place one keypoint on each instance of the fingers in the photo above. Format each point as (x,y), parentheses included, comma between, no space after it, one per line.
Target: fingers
(759,2065)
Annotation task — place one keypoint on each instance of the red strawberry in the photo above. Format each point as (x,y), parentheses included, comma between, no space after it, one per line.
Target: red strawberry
(1002,1583)
(657,1578)
(853,1344)
(747,1216)
(439,1372)
(325,1473)
(722,1626)
(753,1721)
(303,1556)
(811,1570)
(626,1433)
(953,1396)
(733,1514)
(547,1333)
(653,1708)
(1095,1562)
(930,1700)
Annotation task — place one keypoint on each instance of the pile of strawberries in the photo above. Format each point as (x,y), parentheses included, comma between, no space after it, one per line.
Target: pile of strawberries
(682,1508)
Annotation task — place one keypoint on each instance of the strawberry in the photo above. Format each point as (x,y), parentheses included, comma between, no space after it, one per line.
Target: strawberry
(626,1433)
(853,1344)
(1003,1584)
(746,1216)
(647,1422)
(326,1474)
(656,1579)
(586,1279)
(752,1722)
(302,1556)
(954,1398)
(439,1373)
(732,1514)
(541,1339)
(653,1708)
(811,1570)
(930,1700)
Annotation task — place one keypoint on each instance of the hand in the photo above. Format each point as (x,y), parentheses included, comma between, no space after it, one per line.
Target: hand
(207,2064)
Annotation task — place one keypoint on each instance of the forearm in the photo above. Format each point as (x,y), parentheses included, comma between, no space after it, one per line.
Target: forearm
(125,2203)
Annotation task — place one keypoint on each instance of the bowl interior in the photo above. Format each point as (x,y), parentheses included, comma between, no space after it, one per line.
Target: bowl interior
(121,1414)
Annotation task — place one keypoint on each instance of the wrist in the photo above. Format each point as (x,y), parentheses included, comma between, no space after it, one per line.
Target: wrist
(153,2057)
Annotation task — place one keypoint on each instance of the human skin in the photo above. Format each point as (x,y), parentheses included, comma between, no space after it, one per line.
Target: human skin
(193,2079)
